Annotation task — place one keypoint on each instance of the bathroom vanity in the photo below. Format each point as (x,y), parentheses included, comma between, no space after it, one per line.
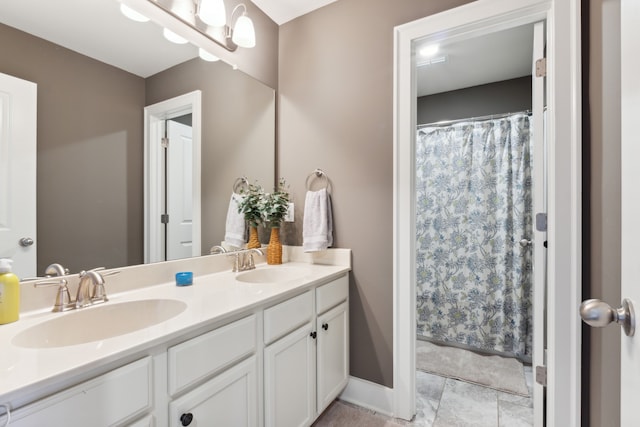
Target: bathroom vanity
(267,347)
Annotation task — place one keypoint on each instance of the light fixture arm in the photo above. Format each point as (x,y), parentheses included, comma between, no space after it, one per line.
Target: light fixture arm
(217,35)
(236,8)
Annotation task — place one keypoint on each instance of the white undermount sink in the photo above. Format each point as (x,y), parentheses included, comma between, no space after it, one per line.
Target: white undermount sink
(272,274)
(98,323)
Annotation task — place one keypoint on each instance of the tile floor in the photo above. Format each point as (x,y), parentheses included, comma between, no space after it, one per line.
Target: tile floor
(443,402)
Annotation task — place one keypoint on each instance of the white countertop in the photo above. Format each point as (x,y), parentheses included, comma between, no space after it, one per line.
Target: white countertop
(211,299)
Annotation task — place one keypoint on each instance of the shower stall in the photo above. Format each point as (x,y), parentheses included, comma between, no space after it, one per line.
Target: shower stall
(474,227)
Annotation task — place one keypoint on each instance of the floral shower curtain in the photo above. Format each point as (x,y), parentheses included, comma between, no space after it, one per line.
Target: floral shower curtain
(474,205)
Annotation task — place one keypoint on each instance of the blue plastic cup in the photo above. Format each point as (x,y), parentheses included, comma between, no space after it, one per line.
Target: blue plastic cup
(184,278)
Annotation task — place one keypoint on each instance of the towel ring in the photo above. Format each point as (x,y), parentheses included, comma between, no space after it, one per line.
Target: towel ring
(240,184)
(320,175)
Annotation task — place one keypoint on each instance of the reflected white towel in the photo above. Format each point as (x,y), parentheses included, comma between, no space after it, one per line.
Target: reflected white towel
(317,226)
(235,232)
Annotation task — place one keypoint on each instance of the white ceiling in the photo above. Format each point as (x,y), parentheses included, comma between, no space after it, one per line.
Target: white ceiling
(281,11)
(141,49)
(102,33)
(494,57)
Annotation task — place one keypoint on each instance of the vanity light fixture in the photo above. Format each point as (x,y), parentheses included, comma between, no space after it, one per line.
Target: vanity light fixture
(244,34)
(208,17)
(212,12)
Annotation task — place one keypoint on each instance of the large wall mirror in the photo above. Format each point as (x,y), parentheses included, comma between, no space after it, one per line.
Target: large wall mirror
(96,71)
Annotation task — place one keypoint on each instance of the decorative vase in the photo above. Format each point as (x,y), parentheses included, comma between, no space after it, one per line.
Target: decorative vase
(254,241)
(274,249)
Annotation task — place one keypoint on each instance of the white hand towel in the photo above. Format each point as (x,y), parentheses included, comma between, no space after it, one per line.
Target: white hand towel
(317,226)
(235,233)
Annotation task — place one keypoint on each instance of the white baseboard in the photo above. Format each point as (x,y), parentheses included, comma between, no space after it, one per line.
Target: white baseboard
(369,395)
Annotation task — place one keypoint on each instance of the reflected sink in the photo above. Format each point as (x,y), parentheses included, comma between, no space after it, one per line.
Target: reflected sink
(98,323)
(272,274)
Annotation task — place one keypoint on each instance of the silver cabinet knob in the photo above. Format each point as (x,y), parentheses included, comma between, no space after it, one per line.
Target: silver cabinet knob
(26,241)
(599,314)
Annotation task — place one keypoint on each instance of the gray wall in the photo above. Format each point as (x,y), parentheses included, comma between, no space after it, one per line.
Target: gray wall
(89,146)
(509,96)
(336,113)
(603,174)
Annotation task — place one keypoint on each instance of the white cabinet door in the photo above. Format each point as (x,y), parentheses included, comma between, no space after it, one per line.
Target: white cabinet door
(332,355)
(290,373)
(229,399)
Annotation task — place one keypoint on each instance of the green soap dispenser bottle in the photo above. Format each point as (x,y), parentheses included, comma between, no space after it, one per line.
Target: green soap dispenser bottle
(9,293)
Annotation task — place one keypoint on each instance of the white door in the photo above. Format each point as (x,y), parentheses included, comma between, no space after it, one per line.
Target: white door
(18,115)
(179,190)
(630,208)
(539,206)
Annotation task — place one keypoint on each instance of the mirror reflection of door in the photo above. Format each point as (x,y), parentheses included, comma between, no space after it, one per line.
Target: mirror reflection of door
(18,173)
(178,180)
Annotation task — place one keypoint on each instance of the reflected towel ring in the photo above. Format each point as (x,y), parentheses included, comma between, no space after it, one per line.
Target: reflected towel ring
(240,184)
(319,174)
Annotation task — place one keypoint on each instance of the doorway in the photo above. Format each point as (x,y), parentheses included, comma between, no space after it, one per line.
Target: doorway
(476,182)
(561,359)
(172,178)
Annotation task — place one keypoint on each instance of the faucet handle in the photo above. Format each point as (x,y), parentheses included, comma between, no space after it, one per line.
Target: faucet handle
(56,269)
(63,298)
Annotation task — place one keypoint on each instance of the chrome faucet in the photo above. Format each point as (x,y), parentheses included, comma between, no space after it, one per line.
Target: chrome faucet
(85,296)
(249,264)
(217,250)
(243,259)
(90,289)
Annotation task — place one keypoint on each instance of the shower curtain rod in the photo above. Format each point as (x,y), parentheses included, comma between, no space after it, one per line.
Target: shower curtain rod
(479,118)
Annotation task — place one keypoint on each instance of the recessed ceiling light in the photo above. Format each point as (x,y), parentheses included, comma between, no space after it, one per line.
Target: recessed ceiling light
(429,50)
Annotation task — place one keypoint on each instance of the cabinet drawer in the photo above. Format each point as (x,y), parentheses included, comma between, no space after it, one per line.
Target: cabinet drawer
(194,360)
(106,400)
(332,294)
(287,316)
(228,399)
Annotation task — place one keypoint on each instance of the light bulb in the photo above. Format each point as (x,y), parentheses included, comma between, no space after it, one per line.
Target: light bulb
(244,35)
(429,51)
(132,14)
(213,12)
(207,56)
(173,37)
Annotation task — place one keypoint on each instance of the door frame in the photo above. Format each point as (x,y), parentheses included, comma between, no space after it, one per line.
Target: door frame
(154,118)
(564,194)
